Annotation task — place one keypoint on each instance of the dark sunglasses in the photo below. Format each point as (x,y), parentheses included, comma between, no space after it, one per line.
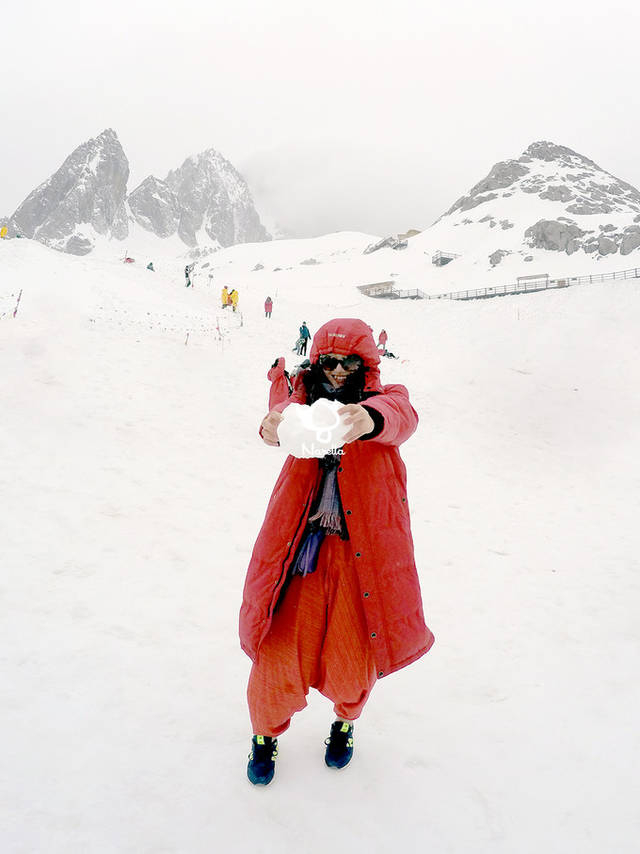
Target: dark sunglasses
(349,363)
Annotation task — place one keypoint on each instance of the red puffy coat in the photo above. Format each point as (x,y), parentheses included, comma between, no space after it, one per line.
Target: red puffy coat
(279,391)
(372,483)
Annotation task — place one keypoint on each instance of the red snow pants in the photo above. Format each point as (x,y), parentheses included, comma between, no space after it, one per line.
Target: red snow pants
(318,638)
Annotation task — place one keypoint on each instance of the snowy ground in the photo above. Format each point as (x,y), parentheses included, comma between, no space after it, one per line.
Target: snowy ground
(134,483)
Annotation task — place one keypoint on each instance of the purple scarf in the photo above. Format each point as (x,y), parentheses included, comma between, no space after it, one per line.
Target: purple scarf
(327,518)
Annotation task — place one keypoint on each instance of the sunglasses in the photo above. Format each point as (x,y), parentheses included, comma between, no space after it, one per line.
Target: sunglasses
(349,363)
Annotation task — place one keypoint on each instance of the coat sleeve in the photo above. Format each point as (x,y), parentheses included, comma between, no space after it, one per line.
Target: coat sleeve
(298,395)
(400,418)
(276,372)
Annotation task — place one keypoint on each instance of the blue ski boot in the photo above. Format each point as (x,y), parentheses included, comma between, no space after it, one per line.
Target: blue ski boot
(262,760)
(339,745)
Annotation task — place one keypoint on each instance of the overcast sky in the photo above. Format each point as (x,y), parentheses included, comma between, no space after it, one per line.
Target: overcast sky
(342,115)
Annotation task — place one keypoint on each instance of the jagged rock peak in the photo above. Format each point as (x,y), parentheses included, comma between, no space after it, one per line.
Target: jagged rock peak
(84,197)
(214,198)
(154,206)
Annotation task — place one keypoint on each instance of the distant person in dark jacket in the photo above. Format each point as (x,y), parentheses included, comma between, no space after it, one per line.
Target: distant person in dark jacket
(305,336)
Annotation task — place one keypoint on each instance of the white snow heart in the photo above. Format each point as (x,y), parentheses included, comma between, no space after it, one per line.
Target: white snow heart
(312,431)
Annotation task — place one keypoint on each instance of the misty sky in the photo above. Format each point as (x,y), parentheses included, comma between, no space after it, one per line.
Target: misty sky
(342,115)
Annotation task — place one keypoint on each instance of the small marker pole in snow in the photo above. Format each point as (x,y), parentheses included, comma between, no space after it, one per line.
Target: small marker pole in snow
(15,310)
(186,340)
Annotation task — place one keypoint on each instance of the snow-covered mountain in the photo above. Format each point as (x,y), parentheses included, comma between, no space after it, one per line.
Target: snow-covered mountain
(550,198)
(84,198)
(206,201)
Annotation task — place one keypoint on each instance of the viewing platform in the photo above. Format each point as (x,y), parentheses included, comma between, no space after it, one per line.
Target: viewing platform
(442,258)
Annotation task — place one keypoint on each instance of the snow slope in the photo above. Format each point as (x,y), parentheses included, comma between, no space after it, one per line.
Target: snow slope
(340,263)
(133,486)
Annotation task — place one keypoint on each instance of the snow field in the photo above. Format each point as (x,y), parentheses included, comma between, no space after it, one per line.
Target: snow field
(133,486)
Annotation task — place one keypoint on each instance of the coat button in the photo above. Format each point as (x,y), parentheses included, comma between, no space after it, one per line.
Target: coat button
(404,500)
(340,468)
(380,674)
(358,554)
(366,594)
(374,635)
(348,512)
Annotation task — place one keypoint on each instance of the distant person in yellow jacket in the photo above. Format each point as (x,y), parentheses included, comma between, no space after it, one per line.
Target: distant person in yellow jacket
(225,297)
(233,296)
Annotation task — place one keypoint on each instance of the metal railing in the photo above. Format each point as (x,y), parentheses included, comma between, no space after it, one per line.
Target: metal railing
(443,254)
(540,285)
(410,294)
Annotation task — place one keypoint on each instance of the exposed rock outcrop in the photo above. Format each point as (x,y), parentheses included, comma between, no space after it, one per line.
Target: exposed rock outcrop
(554,235)
(496,257)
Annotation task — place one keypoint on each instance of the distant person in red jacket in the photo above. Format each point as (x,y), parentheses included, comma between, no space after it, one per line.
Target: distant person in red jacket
(281,385)
(268,305)
(382,339)
(332,599)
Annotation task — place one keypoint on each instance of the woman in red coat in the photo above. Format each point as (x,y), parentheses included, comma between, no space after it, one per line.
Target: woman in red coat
(281,386)
(332,599)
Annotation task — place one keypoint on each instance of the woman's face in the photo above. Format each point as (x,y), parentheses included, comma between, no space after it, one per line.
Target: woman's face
(337,374)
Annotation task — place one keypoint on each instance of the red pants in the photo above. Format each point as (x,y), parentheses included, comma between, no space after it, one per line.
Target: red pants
(318,639)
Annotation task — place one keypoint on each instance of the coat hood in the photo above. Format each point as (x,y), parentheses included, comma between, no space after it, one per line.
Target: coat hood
(347,335)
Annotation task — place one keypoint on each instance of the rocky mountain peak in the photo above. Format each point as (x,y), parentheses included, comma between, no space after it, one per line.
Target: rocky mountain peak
(205,199)
(214,198)
(544,150)
(84,197)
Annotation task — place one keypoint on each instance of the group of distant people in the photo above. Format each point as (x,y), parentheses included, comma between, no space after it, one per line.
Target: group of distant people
(229,298)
